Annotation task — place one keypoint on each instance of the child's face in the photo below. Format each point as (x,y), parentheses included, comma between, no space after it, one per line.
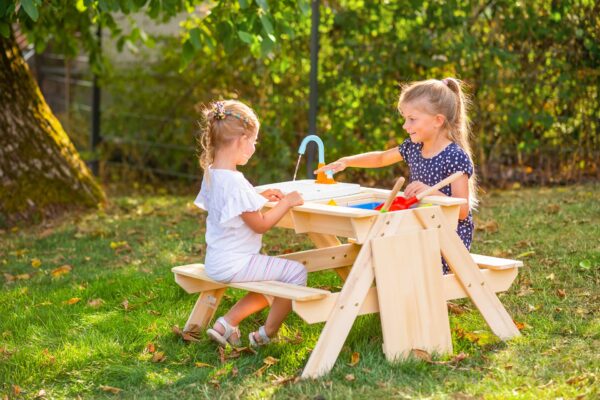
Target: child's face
(420,125)
(246,147)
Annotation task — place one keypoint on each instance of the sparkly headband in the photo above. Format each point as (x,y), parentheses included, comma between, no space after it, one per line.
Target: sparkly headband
(221,114)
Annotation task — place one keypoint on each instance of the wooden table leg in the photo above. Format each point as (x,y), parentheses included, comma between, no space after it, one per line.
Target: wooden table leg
(346,309)
(204,310)
(461,263)
(412,306)
(321,240)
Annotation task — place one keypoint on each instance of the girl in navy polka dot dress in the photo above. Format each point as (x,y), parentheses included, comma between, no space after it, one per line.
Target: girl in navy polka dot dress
(435,114)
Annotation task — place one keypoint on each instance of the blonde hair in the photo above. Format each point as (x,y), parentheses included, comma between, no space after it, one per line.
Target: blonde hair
(224,121)
(448,98)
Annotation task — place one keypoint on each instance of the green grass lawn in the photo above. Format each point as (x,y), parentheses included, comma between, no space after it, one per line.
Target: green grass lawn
(88,306)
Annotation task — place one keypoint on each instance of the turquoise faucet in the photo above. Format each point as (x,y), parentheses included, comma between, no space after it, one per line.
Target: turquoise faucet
(321,146)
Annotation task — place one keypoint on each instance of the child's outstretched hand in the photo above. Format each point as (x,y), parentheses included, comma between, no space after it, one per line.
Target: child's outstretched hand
(293,199)
(414,188)
(272,194)
(336,166)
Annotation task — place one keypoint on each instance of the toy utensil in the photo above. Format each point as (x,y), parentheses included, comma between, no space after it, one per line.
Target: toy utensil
(392,196)
(402,203)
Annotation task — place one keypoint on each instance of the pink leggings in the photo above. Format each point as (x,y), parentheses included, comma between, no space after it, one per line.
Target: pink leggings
(267,268)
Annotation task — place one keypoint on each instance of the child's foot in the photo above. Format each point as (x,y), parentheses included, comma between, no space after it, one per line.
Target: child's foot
(259,338)
(223,333)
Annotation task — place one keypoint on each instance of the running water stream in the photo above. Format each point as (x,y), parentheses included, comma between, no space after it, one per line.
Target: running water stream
(297,165)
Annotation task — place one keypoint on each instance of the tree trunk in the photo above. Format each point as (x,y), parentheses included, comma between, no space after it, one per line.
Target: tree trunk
(41,173)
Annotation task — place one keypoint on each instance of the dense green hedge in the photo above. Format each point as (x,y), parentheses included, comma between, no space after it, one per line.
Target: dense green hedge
(533,68)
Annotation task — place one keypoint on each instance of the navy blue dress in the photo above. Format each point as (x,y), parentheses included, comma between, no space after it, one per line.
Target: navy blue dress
(432,170)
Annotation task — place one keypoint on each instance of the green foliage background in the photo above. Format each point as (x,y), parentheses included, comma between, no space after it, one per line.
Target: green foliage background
(532,68)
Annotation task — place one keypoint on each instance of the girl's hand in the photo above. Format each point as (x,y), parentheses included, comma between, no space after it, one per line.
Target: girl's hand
(293,199)
(336,166)
(414,188)
(272,194)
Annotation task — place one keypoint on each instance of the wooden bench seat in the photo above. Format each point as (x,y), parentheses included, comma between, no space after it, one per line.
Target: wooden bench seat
(496,263)
(186,274)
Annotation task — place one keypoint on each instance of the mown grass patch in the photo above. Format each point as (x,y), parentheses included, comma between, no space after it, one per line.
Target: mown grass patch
(87,303)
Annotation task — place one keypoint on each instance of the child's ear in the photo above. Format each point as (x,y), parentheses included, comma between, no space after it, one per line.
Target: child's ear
(439,120)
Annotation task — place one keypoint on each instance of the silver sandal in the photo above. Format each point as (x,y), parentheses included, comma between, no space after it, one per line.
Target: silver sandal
(225,338)
(263,338)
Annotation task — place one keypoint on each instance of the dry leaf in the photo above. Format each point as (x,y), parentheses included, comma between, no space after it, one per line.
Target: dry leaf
(40,394)
(550,277)
(95,303)
(349,377)
(422,355)
(73,300)
(110,389)
(488,226)
(553,208)
(354,359)
(8,277)
(22,277)
(159,356)
(270,360)
(215,382)
(234,371)
(455,308)
(62,270)
(202,365)
(150,347)
(188,336)
(16,390)
(222,371)
(125,304)
(282,380)
(36,263)
(221,354)
(561,293)
(520,325)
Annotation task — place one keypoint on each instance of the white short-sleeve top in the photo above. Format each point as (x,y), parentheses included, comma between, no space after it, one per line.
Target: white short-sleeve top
(230,243)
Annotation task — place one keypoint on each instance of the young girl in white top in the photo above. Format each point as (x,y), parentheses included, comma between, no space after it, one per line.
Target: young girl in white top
(235,224)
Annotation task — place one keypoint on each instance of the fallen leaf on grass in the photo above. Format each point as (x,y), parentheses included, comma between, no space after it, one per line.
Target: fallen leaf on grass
(550,277)
(553,208)
(525,254)
(8,277)
(268,362)
(95,303)
(488,226)
(159,356)
(354,359)
(349,377)
(40,394)
(561,293)
(23,277)
(282,380)
(73,300)
(520,325)
(202,365)
(421,355)
(297,339)
(110,389)
(150,348)
(456,309)
(62,270)
(125,304)
(215,383)
(36,263)
(16,390)
(579,379)
(188,336)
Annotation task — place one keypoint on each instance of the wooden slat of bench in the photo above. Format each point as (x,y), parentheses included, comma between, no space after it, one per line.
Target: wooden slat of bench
(270,288)
(489,262)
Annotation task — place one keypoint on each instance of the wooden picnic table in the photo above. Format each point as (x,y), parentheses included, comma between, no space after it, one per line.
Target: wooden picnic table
(390,264)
